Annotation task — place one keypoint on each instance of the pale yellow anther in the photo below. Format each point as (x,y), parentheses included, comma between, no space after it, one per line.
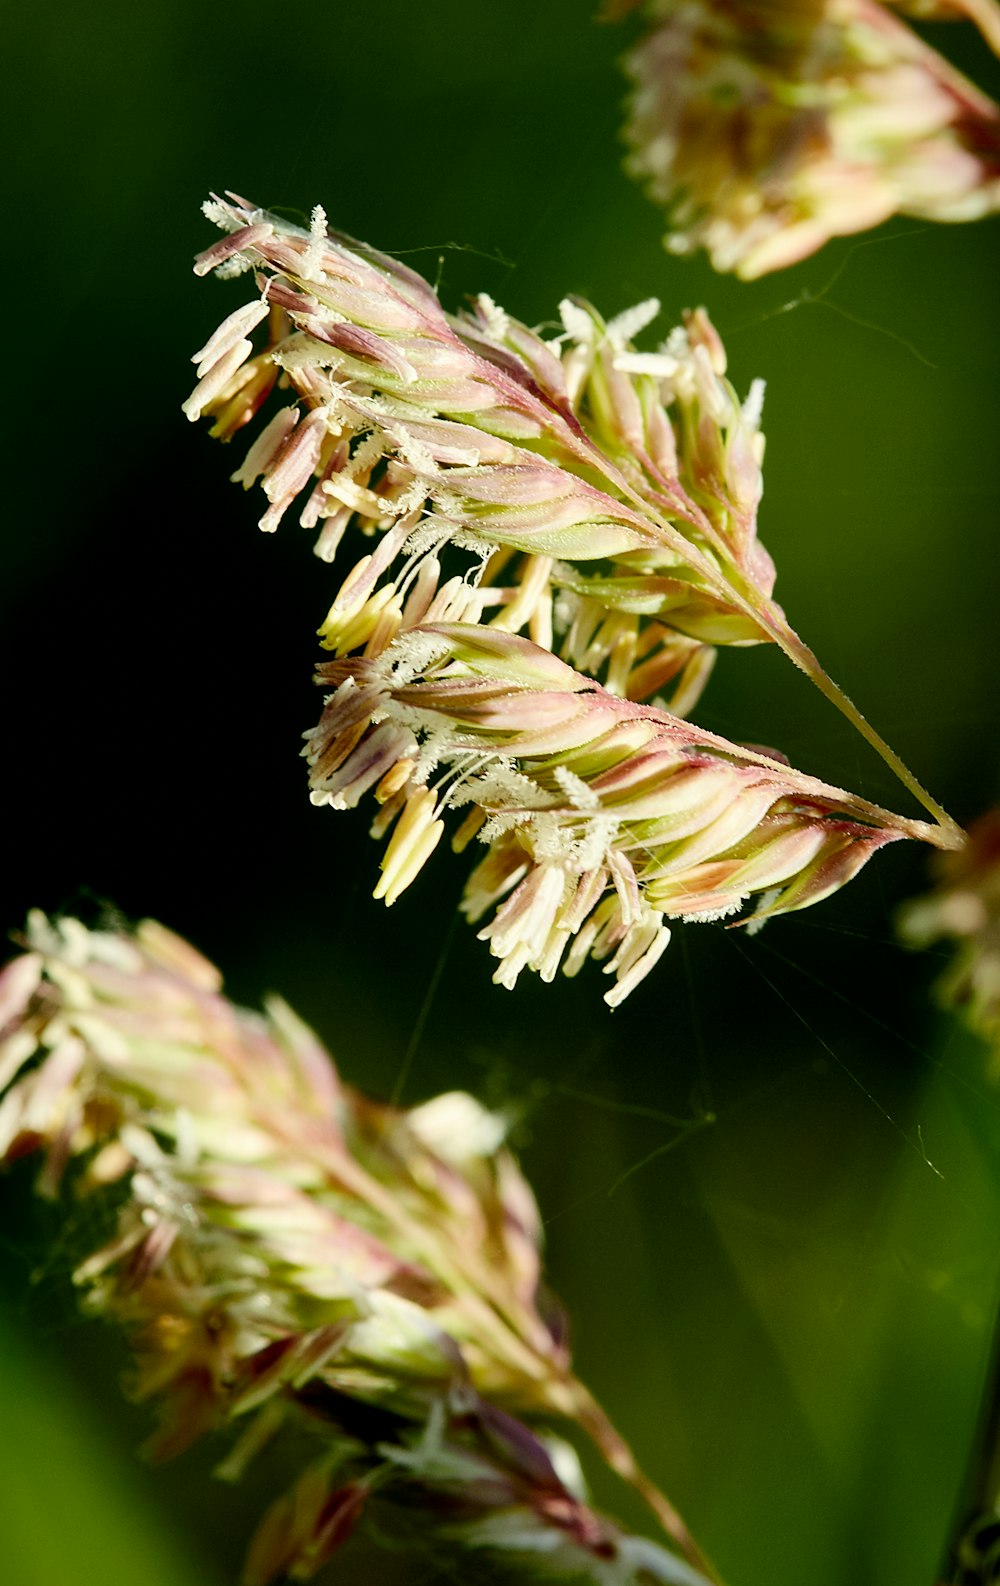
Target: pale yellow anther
(416,836)
(358,497)
(357,625)
(540,621)
(417,858)
(473,823)
(386,628)
(344,595)
(386,815)
(534,583)
(620,664)
(344,609)
(233,410)
(395,778)
(497,562)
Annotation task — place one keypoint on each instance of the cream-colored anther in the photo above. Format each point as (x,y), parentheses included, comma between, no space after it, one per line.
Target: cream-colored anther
(358,497)
(473,823)
(413,841)
(395,778)
(534,580)
(362,622)
(620,664)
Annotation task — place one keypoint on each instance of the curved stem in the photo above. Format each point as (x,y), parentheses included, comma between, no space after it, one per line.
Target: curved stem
(557,1394)
(589,1415)
(735,586)
(979,1499)
(808,786)
(986,17)
(949,834)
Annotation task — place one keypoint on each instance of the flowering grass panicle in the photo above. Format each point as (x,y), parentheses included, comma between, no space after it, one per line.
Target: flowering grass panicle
(607,497)
(473,430)
(766,127)
(603,819)
(285,1250)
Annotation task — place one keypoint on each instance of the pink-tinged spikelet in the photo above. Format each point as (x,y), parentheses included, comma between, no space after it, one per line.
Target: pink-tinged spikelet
(603,819)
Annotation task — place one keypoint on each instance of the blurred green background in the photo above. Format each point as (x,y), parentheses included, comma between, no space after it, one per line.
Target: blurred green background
(788,1310)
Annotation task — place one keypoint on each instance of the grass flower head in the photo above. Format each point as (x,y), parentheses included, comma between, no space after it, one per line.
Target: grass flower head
(766,127)
(559,529)
(285,1250)
(603,819)
(964,909)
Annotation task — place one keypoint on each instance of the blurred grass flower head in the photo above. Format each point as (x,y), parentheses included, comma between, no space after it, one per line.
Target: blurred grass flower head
(284,1249)
(766,127)
(964,910)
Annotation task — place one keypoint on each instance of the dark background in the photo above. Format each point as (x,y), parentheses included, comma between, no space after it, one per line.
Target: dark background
(787,1310)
